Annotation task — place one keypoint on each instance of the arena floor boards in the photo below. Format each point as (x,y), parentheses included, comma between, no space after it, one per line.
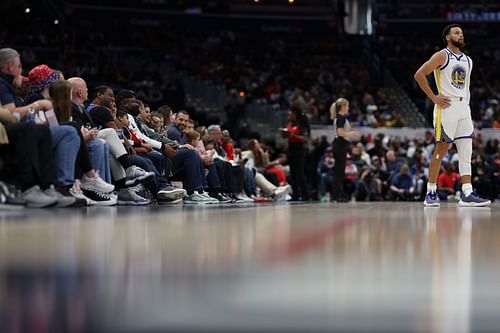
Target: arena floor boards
(356,267)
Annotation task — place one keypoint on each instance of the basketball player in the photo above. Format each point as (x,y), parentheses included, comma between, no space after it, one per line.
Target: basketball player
(452,116)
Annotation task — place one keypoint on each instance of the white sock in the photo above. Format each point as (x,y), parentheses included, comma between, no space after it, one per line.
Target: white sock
(431,187)
(467,189)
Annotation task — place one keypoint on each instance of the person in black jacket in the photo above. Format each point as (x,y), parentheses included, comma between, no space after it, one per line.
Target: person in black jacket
(343,134)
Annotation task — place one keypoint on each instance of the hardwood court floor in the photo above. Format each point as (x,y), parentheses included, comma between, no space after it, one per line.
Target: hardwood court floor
(357,267)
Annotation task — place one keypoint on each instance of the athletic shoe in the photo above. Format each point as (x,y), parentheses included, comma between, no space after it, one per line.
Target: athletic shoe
(226,197)
(170,202)
(242,197)
(261,199)
(431,199)
(206,195)
(198,198)
(281,192)
(76,191)
(63,199)
(170,193)
(473,200)
(36,198)
(128,196)
(141,191)
(96,184)
(101,198)
(9,199)
(220,197)
(65,192)
(136,176)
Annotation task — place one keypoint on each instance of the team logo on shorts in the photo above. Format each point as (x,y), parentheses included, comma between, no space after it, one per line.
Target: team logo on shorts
(458,77)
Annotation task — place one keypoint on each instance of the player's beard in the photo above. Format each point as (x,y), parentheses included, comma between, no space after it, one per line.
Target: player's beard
(458,43)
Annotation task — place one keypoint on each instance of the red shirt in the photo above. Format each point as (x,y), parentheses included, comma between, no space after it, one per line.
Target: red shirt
(294,129)
(448,180)
(229,148)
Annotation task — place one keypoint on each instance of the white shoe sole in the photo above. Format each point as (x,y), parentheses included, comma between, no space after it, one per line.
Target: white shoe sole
(5,206)
(169,202)
(474,204)
(189,202)
(435,204)
(139,180)
(40,205)
(172,195)
(104,203)
(132,203)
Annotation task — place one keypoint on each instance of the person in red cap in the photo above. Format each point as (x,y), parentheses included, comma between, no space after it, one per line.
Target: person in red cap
(42,168)
(40,78)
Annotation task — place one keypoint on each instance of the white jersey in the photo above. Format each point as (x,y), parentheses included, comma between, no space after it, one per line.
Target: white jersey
(453,77)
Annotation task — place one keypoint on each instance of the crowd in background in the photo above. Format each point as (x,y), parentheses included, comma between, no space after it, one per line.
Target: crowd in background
(289,70)
(295,65)
(60,147)
(297,68)
(390,168)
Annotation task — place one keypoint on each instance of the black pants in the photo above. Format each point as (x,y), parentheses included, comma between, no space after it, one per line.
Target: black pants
(340,147)
(296,160)
(30,158)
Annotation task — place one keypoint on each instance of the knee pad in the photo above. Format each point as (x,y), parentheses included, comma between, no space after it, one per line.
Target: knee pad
(464,149)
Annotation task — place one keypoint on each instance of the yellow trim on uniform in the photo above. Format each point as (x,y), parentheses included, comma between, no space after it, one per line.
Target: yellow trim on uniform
(439,108)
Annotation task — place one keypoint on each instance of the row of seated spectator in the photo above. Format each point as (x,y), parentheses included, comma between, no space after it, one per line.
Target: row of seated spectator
(58,150)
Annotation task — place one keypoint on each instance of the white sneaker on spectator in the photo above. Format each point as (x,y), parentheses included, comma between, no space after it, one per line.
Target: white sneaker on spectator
(170,193)
(63,199)
(244,198)
(281,192)
(9,199)
(209,198)
(128,196)
(197,198)
(65,191)
(77,192)
(96,184)
(136,175)
(36,198)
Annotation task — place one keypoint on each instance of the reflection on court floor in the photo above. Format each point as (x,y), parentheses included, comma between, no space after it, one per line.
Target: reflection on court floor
(304,267)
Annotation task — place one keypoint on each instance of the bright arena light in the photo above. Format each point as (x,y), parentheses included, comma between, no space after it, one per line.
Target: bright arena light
(56,21)
(27,10)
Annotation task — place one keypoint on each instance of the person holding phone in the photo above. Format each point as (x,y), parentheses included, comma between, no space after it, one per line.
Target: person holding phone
(126,173)
(60,95)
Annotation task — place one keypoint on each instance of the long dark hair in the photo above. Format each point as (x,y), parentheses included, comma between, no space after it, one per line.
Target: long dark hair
(60,93)
(302,120)
(258,154)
